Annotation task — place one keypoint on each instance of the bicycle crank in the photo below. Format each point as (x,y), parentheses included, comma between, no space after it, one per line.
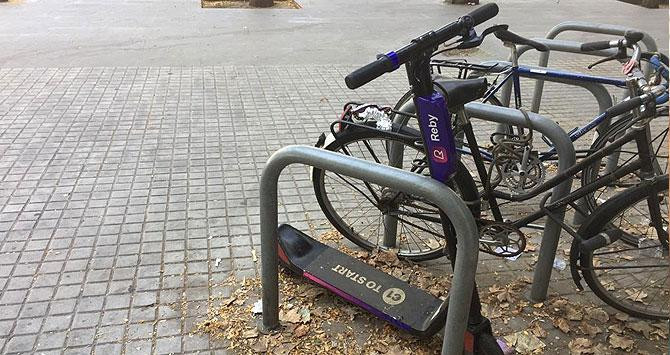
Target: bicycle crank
(500,238)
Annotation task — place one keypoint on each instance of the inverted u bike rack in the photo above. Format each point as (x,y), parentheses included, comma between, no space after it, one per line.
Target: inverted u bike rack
(565,46)
(575,47)
(465,266)
(566,158)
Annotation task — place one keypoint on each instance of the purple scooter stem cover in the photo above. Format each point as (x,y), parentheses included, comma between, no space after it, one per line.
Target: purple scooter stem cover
(438,137)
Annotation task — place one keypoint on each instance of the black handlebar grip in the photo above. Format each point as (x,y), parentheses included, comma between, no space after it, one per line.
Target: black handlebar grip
(369,72)
(633,36)
(594,46)
(624,107)
(483,13)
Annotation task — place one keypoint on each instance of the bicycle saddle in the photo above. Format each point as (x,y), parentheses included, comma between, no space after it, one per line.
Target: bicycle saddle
(461,91)
(507,36)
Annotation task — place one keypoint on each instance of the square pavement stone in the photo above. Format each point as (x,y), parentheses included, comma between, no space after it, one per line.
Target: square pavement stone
(20,344)
(51,340)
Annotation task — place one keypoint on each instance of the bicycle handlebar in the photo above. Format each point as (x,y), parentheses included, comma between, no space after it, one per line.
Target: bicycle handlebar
(629,39)
(624,106)
(595,46)
(634,102)
(484,13)
(389,62)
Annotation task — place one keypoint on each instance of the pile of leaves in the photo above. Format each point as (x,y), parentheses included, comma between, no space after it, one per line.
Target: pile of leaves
(585,324)
(315,321)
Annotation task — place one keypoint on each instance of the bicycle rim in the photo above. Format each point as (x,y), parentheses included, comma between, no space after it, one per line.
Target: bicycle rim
(626,154)
(362,211)
(632,274)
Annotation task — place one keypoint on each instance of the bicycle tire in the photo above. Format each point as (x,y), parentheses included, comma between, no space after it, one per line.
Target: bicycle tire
(602,283)
(461,182)
(629,151)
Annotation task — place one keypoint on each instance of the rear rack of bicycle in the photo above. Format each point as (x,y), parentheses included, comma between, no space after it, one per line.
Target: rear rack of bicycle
(462,66)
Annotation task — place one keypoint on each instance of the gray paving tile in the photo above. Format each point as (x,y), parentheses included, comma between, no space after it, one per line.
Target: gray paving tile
(20,344)
(51,340)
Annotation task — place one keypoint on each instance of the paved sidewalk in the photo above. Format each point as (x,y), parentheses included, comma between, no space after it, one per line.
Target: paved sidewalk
(127,194)
(94,33)
(130,154)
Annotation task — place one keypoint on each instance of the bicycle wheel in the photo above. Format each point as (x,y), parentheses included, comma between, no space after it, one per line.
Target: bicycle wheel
(631,273)
(658,130)
(362,211)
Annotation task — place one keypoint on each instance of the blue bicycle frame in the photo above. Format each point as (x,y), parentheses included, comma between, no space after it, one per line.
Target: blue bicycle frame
(516,72)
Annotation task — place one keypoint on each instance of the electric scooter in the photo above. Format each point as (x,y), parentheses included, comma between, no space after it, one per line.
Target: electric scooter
(390,299)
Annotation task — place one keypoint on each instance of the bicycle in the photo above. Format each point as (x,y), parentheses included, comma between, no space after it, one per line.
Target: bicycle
(510,179)
(422,240)
(597,234)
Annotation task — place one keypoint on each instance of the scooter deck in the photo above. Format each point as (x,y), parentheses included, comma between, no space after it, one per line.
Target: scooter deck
(383,295)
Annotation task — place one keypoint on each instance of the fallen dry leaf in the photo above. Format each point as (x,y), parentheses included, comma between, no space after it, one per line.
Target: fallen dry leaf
(598,314)
(387,257)
(538,331)
(562,324)
(259,347)
(621,316)
(637,296)
(291,316)
(580,346)
(621,342)
(573,313)
(616,328)
(285,348)
(301,331)
(524,342)
(641,327)
(591,330)
(250,333)
(305,315)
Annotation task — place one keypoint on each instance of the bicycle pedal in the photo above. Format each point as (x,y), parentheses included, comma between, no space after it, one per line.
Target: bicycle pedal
(500,238)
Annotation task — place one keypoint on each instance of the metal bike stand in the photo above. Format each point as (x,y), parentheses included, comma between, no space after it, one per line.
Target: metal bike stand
(466,230)
(575,47)
(566,158)
(598,91)
(566,154)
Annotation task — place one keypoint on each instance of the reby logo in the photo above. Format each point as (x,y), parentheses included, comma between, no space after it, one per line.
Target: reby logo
(440,155)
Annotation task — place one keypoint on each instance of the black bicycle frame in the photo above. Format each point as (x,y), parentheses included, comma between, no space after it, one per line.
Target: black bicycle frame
(643,163)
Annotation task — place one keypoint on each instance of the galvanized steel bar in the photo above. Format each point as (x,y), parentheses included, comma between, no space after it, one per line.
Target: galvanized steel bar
(588,27)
